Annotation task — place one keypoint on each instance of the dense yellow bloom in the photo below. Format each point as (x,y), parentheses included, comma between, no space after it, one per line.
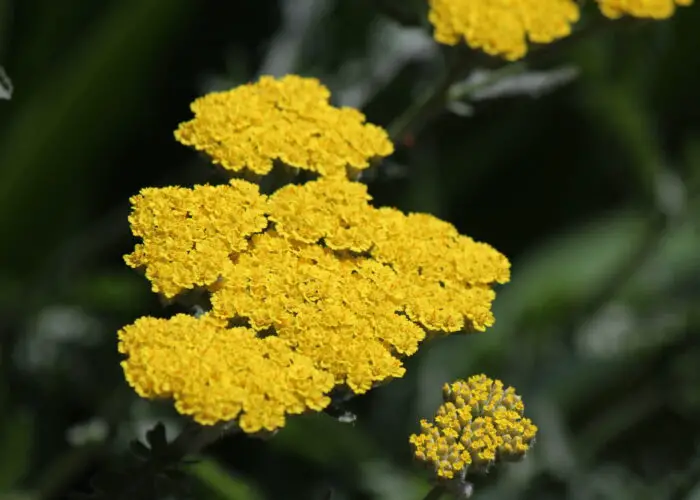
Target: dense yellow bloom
(330,209)
(215,373)
(502,27)
(654,9)
(479,424)
(381,280)
(288,120)
(348,286)
(189,234)
(448,276)
(344,313)
(325,290)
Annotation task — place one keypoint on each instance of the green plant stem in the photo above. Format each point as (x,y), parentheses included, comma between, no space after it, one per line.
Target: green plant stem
(224,485)
(435,98)
(435,493)
(432,101)
(542,52)
(194,438)
(66,468)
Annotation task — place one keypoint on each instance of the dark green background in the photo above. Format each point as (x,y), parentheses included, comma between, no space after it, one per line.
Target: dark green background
(591,190)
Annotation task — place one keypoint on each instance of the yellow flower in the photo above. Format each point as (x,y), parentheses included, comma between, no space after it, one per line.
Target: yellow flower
(502,27)
(326,290)
(448,276)
(331,209)
(342,313)
(214,373)
(288,120)
(654,9)
(479,424)
(354,287)
(351,287)
(189,234)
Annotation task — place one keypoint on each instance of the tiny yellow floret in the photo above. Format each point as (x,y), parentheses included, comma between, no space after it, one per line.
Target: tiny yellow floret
(214,373)
(479,424)
(653,9)
(502,27)
(287,120)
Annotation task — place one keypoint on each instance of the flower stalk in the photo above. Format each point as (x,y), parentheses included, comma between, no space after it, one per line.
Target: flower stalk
(435,493)
(194,438)
(447,88)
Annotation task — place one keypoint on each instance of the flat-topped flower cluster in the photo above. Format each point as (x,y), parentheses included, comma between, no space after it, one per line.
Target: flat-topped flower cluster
(289,121)
(504,27)
(310,288)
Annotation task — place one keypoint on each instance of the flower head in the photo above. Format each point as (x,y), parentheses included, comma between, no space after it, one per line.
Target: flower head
(344,313)
(348,286)
(502,27)
(308,289)
(478,424)
(355,287)
(215,373)
(189,234)
(329,209)
(654,9)
(288,120)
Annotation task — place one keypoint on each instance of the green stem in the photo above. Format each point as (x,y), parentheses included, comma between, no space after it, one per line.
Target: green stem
(544,51)
(65,469)
(434,99)
(194,438)
(435,493)
(431,102)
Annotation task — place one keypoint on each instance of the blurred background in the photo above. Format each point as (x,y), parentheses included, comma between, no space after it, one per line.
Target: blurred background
(584,171)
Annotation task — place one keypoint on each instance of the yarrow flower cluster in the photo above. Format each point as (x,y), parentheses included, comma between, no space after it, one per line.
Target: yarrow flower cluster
(479,424)
(289,120)
(310,288)
(217,373)
(652,9)
(504,27)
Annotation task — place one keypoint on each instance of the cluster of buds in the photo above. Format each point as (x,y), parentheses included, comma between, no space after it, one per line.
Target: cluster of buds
(479,424)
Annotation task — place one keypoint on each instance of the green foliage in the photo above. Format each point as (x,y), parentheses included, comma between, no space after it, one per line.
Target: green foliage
(221,482)
(590,189)
(15,458)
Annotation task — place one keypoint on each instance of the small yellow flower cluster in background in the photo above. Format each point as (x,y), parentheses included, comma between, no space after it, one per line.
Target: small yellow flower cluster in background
(503,27)
(479,423)
(307,289)
(653,9)
(216,373)
(288,120)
